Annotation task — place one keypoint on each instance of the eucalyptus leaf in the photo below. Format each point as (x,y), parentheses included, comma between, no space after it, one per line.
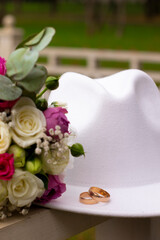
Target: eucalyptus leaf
(31,95)
(47,37)
(8,90)
(35,80)
(32,40)
(20,63)
(38,41)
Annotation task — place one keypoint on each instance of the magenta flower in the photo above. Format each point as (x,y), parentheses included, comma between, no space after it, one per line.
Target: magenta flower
(7,104)
(55,190)
(2,66)
(56,116)
(6,166)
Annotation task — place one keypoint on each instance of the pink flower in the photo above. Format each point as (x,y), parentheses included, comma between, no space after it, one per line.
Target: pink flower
(6,166)
(2,66)
(56,116)
(7,104)
(55,190)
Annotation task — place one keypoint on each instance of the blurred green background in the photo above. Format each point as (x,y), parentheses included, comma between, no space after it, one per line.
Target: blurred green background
(131,25)
(103,24)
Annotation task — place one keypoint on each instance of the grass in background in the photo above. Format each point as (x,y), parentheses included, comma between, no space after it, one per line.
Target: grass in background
(71,29)
(72,61)
(73,34)
(150,66)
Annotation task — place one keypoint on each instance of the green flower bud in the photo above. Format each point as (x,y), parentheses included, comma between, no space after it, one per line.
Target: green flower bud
(34,165)
(41,104)
(77,150)
(19,155)
(52,83)
(59,104)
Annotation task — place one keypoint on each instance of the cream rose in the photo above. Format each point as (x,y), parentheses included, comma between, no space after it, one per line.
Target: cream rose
(24,188)
(5,137)
(3,192)
(27,122)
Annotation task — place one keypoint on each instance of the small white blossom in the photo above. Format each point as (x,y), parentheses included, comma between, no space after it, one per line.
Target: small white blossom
(51,131)
(24,211)
(38,151)
(57,127)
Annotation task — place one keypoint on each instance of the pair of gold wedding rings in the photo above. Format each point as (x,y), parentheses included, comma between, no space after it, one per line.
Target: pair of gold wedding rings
(94,195)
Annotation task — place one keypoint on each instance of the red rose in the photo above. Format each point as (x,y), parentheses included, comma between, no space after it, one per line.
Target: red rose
(6,166)
(7,104)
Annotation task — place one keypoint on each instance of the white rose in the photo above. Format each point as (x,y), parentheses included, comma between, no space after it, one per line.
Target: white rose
(53,163)
(3,192)
(5,138)
(27,122)
(24,188)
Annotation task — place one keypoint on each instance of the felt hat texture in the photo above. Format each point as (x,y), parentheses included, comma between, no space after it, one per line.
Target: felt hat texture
(117,120)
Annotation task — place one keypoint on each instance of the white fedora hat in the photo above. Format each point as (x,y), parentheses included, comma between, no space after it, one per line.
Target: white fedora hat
(117,119)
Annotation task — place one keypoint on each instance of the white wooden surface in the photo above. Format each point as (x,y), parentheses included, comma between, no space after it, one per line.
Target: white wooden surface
(93,56)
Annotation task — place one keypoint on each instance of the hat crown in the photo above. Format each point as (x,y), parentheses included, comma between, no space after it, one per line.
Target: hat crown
(117,120)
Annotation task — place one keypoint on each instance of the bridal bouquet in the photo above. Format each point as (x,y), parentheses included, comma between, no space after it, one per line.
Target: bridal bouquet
(34,137)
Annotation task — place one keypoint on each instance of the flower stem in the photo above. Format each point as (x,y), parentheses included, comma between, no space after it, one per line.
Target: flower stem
(40,94)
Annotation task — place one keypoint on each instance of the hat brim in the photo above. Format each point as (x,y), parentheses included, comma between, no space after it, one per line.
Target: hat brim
(141,201)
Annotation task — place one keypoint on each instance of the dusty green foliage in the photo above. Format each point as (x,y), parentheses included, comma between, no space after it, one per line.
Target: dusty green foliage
(35,78)
(8,91)
(24,77)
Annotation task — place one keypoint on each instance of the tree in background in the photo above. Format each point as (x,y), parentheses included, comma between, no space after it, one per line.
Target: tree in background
(17,5)
(152,8)
(3,5)
(96,15)
(2,9)
(53,6)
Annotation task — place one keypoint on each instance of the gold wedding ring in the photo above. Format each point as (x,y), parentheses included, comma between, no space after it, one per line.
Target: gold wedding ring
(85,198)
(99,194)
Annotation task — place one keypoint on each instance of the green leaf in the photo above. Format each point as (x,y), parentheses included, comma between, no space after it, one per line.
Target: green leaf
(31,95)
(20,63)
(44,178)
(34,81)
(47,37)
(39,41)
(32,40)
(8,90)
(36,39)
